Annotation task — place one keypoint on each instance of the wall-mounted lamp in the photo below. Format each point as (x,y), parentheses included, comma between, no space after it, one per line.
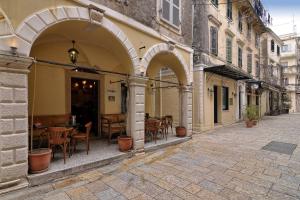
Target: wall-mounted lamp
(13,50)
(234,94)
(210,91)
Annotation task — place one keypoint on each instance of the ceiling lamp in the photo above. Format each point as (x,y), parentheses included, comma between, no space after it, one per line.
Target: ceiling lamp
(73,53)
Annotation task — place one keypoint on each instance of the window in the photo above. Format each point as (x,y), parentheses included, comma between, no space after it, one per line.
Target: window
(240,18)
(257,40)
(249,63)
(249,29)
(240,57)
(229,50)
(214,40)
(286,48)
(285,81)
(257,69)
(215,2)
(272,45)
(225,98)
(171,11)
(278,50)
(229,9)
(285,64)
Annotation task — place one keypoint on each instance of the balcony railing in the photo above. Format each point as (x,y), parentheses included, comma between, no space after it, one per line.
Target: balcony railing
(293,88)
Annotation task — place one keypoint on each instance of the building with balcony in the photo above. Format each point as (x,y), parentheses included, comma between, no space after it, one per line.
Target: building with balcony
(93,59)
(291,69)
(226,44)
(271,73)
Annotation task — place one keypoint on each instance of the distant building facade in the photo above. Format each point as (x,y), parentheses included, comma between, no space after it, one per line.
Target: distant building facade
(291,70)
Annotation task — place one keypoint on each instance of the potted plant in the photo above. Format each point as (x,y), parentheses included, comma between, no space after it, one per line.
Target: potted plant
(38,159)
(251,116)
(125,143)
(180,131)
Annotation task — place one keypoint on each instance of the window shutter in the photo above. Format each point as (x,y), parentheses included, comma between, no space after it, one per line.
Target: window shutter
(249,63)
(229,9)
(229,50)
(240,57)
(214,40)
(166,9)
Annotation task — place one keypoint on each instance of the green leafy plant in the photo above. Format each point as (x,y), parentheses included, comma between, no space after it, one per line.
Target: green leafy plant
(252,112)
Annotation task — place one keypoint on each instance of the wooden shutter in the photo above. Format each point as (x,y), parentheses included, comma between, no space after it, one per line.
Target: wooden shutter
(229,9)
(240,57)
(229,50)
(249,63)
(214,40)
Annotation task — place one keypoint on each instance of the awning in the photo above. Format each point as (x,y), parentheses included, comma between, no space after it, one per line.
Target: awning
(266,86)
(228,71)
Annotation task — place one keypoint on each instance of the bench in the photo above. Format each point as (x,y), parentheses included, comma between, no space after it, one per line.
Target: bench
(112,124)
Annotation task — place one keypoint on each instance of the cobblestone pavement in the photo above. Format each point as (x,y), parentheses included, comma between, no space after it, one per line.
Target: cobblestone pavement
(227,163)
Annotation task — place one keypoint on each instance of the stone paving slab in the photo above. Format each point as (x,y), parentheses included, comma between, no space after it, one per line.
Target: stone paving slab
(224,164)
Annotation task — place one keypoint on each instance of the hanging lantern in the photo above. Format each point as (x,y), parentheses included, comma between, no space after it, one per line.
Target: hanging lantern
(73,53)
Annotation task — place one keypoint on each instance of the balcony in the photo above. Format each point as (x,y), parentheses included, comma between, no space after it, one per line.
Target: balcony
(293,88)
(291,70)
(255,10)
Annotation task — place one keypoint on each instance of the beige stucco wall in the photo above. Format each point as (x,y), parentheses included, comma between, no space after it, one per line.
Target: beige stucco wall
(225,116)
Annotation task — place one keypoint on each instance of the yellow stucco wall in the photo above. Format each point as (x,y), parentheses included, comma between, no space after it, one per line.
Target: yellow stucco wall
(225,117)
(18,10)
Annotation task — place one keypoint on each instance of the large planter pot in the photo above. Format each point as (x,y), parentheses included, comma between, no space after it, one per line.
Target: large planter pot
(125,143)
(180,131)
(249,123)
(254,122)
(39,160)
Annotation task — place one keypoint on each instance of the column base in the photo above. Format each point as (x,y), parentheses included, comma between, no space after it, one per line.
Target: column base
(13,185)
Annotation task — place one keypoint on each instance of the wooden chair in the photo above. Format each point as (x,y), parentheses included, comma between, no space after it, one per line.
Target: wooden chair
(83,137)
(58,136)
(169,119)
(163,127)
(152,127)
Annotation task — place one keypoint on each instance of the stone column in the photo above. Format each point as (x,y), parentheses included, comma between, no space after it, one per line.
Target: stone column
(186,117)
(198,97)
(13,122)
(243,99)
(137,112)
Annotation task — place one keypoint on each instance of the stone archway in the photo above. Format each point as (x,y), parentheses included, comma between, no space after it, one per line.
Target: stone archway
(165,48)
(34,25)
(182,73)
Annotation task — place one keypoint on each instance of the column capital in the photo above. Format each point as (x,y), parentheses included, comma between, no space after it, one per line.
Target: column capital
(199,67)
(14,63)
(186,88)
(138,81)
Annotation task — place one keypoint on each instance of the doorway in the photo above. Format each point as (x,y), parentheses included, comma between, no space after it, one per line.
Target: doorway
(216,104)
(85,102)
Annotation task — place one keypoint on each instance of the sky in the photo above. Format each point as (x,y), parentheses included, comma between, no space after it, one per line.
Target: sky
(283,12)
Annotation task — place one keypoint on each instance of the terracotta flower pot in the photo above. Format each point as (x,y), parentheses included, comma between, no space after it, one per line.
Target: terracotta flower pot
(254,122)
(249,123)
(125,143)
(39,160)
(180,131)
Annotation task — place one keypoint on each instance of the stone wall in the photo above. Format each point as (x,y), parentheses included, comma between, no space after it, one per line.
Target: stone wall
(146,12)
(13,122)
